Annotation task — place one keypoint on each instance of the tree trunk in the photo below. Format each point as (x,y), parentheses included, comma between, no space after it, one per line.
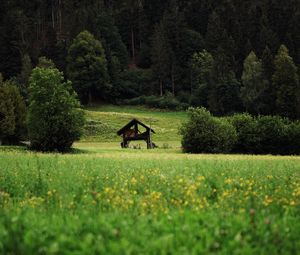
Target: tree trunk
(90,98)
(60,16)
(161,87)
(52,14)
(173,80)
(132,45)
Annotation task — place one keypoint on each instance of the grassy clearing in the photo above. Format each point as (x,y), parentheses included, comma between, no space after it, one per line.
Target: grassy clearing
(107,201)
(105,121)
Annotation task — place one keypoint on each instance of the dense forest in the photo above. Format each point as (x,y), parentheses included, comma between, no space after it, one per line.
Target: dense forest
(228,56)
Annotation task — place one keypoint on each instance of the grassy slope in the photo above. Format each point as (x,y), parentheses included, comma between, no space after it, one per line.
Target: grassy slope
(112,118)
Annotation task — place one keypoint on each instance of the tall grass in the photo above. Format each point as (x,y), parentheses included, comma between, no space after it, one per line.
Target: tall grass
(107,201)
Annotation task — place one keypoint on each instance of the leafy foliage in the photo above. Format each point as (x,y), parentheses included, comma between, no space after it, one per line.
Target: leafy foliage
(168,101)
(163,37)
(266,135)
(134,82)
(204,133)
(54,118)
(240,133)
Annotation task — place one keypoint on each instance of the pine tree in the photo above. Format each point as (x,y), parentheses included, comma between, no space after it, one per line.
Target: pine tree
(269,96)
(223,97)
(214,32)
(174,26)
(267,37)
(115,51)
(253,84)
(23,78)
(87,68)
(286,83)
(161,56)
(12,105)
(7,125)
(202,64)
(108,34)
(45,63)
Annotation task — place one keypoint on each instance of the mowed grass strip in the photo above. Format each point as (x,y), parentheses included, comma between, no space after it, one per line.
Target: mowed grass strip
(107,201)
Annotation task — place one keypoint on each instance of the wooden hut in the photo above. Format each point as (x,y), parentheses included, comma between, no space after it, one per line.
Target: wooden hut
(130,132)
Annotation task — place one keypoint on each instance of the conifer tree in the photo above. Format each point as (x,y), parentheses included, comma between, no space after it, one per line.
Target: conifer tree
(253,84)
(12,105)
(223,97)
(23,78)
(269,96)
(161,56)
(202,64)
(286,82)
(87,68)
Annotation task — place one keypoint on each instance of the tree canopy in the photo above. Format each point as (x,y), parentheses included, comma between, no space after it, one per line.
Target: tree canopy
(54,119)
(97,44)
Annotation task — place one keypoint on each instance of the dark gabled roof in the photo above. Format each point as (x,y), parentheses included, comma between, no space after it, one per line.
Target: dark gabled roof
(2,116)
(130,124)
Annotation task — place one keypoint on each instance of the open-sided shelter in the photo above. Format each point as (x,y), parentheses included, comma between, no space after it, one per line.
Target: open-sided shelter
(131,132)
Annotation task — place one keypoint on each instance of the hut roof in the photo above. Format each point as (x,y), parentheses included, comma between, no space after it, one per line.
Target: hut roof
(132,123)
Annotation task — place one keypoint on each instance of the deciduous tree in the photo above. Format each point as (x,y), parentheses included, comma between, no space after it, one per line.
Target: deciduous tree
(54,118)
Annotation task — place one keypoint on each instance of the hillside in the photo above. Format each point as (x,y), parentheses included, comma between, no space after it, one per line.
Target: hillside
(103,122)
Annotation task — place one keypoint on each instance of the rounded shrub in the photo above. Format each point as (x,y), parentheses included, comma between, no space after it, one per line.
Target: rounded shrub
(292,141)
(271,134)
(266,135)
(246,127)
(204,133)
(54,118)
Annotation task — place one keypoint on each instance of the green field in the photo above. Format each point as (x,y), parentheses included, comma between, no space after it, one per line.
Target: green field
(105,200)
(105,121)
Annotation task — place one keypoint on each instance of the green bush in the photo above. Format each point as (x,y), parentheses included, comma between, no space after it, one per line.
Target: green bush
(166,102)
(292,145)
(134,83)
(54,118)
(170,102)
(271,135)
(135,101)
(266,135)
(204,133)
(154,101)
(246,127)
(241,133)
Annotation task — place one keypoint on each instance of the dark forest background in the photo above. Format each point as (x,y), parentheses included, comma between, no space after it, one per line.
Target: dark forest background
(228,55)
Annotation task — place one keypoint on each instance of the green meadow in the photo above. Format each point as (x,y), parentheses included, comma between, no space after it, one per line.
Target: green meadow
(101,199)
(104,122)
